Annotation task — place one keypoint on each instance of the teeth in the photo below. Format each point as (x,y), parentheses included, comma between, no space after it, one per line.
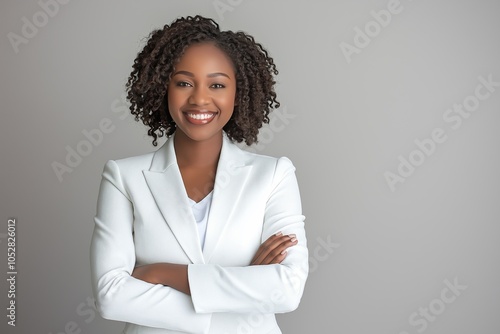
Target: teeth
(201,116)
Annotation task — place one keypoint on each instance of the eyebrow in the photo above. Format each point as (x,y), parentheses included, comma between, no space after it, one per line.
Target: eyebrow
(210,75)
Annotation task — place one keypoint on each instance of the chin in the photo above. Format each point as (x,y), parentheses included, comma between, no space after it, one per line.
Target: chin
(201,134)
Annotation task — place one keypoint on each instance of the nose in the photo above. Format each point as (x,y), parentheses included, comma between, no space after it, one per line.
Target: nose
(200,96)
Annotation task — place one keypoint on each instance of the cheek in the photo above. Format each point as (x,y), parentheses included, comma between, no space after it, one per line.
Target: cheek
(227,107)
(174,100)
(229,99)
(172,108)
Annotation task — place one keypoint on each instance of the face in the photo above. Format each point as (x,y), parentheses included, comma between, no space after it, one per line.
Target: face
(201,92)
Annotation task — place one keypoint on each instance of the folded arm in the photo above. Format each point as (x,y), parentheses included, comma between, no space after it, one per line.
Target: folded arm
(272,251)
(120,296)
(277,274)
(273,284)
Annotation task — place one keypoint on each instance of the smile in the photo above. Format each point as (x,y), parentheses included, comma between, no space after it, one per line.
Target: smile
(199,118)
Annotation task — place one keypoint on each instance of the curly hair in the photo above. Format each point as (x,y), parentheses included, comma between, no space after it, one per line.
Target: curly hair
(254,69)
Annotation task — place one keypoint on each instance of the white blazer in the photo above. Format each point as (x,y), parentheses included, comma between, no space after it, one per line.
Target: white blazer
(143,216)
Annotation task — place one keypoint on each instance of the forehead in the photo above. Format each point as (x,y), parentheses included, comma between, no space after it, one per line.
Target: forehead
(205,58)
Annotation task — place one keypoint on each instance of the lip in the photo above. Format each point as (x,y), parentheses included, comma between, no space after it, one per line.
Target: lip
(201,117)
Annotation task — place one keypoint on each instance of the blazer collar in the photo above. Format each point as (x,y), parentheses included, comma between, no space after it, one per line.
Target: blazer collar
(165,156)
(165,183)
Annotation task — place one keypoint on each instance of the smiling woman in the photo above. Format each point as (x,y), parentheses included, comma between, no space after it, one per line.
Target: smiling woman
(200,234)
(203,95)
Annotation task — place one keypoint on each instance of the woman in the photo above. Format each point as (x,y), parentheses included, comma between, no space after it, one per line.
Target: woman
(199,236)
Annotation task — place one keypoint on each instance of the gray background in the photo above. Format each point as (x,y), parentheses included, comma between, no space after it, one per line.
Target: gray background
(390,252)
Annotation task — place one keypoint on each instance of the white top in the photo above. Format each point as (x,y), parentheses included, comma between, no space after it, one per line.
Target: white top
(200,213)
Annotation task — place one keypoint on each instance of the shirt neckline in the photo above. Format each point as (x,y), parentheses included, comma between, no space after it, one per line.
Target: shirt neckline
(202,201)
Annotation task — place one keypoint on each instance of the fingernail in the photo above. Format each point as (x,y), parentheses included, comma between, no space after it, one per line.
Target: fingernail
(293,239)
(278,234)
(292,235)
(283,252)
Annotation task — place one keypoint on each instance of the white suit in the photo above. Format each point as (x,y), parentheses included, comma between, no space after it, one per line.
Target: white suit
(143,216)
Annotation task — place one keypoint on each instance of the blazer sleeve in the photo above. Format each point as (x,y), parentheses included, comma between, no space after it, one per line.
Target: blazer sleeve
(275,288)
(118,295)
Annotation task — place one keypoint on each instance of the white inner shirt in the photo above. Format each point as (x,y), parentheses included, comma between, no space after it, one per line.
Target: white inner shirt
(200,213)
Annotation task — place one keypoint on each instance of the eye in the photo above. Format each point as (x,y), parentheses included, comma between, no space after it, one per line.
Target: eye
(183,84)
(216,85)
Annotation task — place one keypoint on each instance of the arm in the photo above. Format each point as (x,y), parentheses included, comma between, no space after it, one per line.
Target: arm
(272,251)
(276,287)
(119,296)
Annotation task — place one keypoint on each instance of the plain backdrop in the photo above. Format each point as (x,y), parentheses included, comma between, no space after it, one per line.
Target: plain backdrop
(387,114)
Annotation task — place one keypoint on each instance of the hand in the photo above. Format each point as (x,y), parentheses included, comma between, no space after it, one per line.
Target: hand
(273,250)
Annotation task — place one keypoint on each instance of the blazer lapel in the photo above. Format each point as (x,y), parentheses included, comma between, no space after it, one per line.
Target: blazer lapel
(230,180)
(165,183)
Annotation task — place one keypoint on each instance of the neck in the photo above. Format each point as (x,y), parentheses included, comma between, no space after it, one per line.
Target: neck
(197,153)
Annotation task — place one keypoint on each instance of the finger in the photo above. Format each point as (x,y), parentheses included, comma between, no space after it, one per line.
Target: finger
(268,246)
(279,258)
(276,249)
(269,240)
(278,254)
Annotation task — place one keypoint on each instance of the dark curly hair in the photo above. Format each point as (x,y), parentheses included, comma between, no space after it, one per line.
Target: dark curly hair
(154,65)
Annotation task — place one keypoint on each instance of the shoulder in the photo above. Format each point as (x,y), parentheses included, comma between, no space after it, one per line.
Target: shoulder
(278,167)
(124,168)
(133,163)
(233,151)
(125,173)
(136,163)
(278,163)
